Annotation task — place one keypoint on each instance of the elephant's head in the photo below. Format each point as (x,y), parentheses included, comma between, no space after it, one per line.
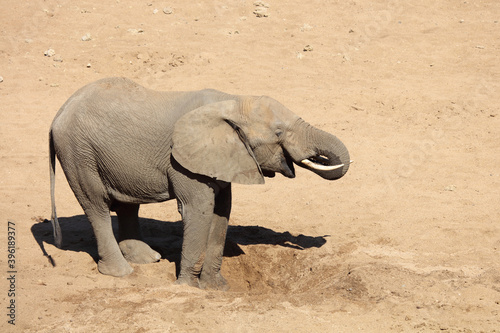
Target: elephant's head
(245,139)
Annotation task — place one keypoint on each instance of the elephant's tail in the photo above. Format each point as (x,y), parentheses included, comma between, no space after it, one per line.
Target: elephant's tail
(55,222)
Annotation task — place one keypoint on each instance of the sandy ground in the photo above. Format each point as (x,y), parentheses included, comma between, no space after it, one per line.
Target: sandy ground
(407,241)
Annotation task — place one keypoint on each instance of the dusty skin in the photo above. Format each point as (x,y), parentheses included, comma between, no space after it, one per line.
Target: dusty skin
(407,241)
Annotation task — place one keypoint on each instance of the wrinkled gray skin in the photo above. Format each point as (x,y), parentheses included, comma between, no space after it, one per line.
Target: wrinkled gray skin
(121,145)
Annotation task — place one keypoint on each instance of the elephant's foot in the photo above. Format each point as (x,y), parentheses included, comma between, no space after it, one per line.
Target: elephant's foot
(213,281)
(114,267)
(189,280)
(138,252)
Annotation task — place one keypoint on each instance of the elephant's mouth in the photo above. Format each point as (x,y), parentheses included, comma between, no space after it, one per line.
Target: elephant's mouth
(286,168)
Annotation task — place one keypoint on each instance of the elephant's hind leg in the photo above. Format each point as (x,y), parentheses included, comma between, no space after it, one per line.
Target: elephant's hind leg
(111,260)
(92,195)
(131,245)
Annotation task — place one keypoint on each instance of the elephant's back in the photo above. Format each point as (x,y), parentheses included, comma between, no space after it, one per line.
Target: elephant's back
(115,128)
(113,102)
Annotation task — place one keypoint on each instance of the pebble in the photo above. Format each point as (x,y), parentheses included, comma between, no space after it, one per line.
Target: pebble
(1,79)
(49,53)
(450,188)
(86,37)
(260,3)
(135,31)
(308,48)
(261,12)
(261,9)
(89,65)
(167,10)
(306,27)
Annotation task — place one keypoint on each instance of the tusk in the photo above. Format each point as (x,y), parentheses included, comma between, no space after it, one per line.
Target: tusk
(320,166)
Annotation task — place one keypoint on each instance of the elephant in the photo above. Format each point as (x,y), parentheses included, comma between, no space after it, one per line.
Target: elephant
(121,145)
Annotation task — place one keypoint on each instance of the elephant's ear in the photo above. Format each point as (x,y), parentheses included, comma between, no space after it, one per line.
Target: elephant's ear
(207,141)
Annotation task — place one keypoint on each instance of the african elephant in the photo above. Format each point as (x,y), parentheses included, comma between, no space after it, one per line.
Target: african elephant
(121,145)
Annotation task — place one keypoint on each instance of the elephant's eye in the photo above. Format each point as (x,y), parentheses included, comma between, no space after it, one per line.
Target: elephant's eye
(279,133)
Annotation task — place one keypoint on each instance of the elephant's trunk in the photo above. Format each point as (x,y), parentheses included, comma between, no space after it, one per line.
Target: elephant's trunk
(322,153)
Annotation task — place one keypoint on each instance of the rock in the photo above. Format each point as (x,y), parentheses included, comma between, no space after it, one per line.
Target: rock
(58,58)
(260,3)
(1,79)
(155,11)
(168,10)
(308,48)
(49,53)
(306,27)
(261,12)
(89,65)
(86,37)
(135,31)
(450,188)
(177,60)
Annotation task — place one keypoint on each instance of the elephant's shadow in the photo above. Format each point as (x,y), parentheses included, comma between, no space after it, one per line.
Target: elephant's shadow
(166,237)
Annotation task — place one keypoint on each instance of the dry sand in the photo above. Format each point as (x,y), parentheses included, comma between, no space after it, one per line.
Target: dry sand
(407,241)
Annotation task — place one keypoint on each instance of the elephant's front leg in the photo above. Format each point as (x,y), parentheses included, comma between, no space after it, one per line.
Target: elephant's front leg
(211,277)
(197,217)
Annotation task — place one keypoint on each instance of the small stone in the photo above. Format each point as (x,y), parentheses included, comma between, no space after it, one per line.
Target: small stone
(261,12)
(135,31)
(155,11)
(86,37)
(167,10)
(58,58)
(308,48)
(89,65)
(306,27)
(260,3)
(461,21)
(450,188)
(1,79)
(49,53)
